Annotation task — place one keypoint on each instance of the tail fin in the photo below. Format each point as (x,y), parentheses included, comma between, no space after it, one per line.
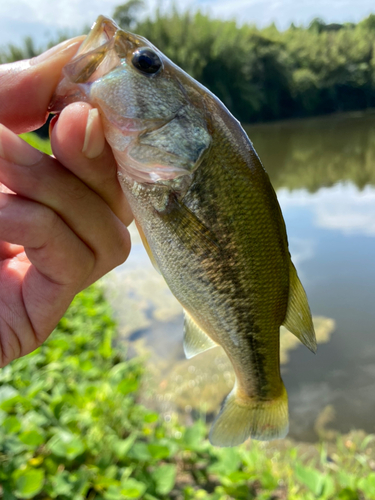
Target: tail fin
(240,419)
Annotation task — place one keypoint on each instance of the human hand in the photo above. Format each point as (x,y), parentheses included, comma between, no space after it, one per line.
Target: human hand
(62,222)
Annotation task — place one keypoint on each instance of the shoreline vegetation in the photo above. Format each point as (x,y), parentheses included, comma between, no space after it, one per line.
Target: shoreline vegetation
(72,427)
(260,74)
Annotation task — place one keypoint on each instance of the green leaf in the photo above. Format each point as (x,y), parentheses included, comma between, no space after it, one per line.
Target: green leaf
(28,482)
(61,484)
(132,488)
(7,493)
(158,451)
(313,479)
(106,345)
(164,477)
(228,461)
(149,418)
(7,393)
(128,385)
(11,425)
(122,447)
(129,488)
(268,480)
(328,486)
(140,452)
(194,436)
(31,438)
(238,476)
(367,485)
(348,494)
(65,444)
(38,143)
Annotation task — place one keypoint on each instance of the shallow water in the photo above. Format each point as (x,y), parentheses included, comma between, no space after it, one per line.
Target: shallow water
(324,173)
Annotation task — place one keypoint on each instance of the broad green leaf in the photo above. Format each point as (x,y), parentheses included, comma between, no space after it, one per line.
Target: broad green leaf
(238,476)
(132,488)
(228,461)
(328,486)
(311,478)
(128,385)
(128,489)
(38,143)
(268,480)
(158,452)
(7,492)
(61,484)
(164,477)
(65,444)
(347,480)
(151,417)
(11,425)
(122,447)
(367,485)
(28,482)
(31,438)
(239,492)
(194,436)
(7,393)
(348,494)
(140,451)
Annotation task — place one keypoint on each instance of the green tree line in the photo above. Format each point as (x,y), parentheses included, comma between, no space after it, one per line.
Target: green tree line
(261,74)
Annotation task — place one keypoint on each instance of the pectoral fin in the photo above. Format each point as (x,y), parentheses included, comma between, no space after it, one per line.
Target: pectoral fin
(147,247)
(195,340)
(298,316)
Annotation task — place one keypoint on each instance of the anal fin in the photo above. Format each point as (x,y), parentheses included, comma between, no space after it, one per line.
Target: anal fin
(298,316)
(195,339)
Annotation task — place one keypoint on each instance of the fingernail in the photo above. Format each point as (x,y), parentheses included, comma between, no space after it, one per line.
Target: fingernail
(52,124)
(94,142)
(57,50)
(16,150)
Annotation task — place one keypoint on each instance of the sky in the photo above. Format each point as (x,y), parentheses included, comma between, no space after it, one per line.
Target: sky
(43,19)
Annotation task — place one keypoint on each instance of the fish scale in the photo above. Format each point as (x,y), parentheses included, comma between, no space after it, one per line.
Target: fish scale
(208,217)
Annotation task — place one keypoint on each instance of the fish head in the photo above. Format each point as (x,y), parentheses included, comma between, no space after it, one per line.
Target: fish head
(153,113)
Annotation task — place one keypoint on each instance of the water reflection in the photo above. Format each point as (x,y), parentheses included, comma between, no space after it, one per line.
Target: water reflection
(324,171)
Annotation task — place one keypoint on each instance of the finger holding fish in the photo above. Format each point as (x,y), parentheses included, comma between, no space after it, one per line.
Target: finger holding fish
(77,140)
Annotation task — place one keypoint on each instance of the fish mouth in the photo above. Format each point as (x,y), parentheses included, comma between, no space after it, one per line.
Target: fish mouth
(100,52)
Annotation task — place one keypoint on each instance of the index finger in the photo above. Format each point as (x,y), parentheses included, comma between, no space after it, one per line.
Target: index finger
(26,87)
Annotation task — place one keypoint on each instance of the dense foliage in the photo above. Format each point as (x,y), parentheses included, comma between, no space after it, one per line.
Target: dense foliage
(71,427)
(261,74)
(267,74)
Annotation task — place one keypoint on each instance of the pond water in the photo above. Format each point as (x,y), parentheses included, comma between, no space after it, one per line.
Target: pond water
(324,173)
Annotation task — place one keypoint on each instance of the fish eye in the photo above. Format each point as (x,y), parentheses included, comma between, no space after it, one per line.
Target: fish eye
(147,61)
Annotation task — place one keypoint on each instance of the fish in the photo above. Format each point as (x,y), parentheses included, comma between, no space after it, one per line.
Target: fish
(207,214)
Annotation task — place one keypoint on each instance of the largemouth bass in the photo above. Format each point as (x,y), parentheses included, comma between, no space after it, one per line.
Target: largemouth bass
(207,213)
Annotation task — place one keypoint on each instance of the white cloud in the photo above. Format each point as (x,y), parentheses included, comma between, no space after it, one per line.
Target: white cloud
(343,208)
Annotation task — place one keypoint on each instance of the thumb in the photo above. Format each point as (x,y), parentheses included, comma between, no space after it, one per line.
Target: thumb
(26,87)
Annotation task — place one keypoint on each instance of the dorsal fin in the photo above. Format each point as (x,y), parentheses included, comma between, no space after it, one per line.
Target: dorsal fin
(147,247)
(195,339)
(298,316)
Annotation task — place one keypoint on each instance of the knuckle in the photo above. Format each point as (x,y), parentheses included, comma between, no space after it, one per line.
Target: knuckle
(123,247)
